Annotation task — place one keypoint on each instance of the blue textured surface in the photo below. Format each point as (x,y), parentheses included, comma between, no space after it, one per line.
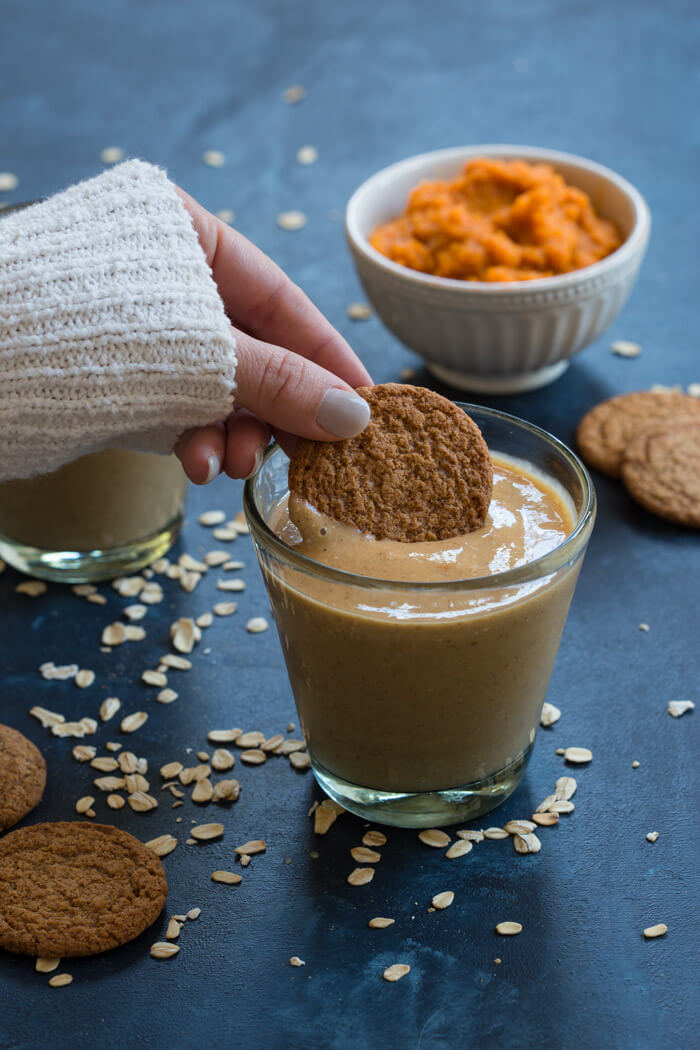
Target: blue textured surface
(609,80)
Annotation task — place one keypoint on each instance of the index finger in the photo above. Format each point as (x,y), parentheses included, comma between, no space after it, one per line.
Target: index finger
(260,297)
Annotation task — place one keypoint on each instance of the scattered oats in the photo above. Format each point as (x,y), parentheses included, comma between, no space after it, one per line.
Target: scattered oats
(578,755)
(128,762)
(307,155)
(222,759)
(203,756)
(287,747)
(224,736)
(46,964)
(214,158)
(185,634)
(135,782)
(562,806)
(656,931)
(215,558)
(252,847)
(546,820)
(498,961)
(173,931)
(226,791)
(245,860)
(61,980)
(115,801)
(224,534)
(84,679)
(239,524)
(135,612)
(134,633)
(435,838)
(84,752)
(374,838)
(254,739)
(546,803)
(256,625)
(296,961)
(396,972)
(693,389)
(300,761)
(47,718)
(112,155)
(519,827)
(152,594)
(226,215)
(325,815)
(179,663)
(644,627)
(193,773)
(364,855)
(109,707)
(224,609)
(652,836)
(96,599)
(291,220)
(565,788)
(62,729)
(129,586)
(380,923)
(154,678)
(114,634)
(83,589)
(105,764)
(293,94)
(230,585)
(407,373)
(8,181)
(162,845)
(527,843)
(495,833)
(173,572)
(443,900)
(189,580)
(133,722)
(112,745)
(508,929)
(164,950)
(50,672)
(190,564)
(32,588)
(623,348)
(160,565)
(676,708)
(84,804)
(550,714)
(205,619)
(234,566)
(635,764)
(202,791)
(141,802)
(89,725)
(270,746)
(229,878)
(559,751)
(359,312)
(205,832)
(194,913)
(360,876)
(460,848)
(166,696)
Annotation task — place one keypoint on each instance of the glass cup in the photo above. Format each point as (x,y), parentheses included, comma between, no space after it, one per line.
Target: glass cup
(420,702)
(101,516)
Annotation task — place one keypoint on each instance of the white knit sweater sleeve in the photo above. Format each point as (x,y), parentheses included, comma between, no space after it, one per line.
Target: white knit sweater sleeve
(112,331)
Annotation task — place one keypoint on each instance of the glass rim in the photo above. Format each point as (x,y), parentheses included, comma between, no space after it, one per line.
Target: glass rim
(540,567)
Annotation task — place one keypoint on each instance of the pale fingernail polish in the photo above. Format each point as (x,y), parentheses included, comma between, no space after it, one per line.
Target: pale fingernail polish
(214,467)
(259,453)
(343,413)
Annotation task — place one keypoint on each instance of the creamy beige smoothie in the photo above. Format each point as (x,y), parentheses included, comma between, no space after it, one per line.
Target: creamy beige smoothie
(108,499)
(416,688)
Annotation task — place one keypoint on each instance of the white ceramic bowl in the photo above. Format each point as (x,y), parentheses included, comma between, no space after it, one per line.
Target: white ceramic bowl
(497,337)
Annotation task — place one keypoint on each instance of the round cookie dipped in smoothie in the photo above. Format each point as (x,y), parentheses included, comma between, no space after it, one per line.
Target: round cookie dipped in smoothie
(420,576)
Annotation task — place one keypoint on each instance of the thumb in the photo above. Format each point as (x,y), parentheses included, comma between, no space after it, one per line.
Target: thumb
(292,393)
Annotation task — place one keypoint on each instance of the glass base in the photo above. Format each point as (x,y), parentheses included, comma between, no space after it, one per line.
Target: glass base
(89,566)
(425,809)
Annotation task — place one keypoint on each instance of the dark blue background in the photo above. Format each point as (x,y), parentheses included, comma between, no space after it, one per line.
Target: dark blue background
(614,81)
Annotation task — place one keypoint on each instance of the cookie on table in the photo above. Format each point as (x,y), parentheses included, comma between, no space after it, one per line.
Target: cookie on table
(76,889)
(419,471)
(22,776)
(661,470)
(604,433)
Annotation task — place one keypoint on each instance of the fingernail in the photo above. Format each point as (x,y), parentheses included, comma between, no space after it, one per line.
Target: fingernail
(214,467)
(343,413)
(259,453)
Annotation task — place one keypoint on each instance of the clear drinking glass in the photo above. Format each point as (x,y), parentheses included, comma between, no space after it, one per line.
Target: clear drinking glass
(420,702)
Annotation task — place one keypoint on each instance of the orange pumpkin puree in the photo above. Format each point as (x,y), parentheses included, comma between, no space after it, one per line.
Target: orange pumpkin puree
(499,220)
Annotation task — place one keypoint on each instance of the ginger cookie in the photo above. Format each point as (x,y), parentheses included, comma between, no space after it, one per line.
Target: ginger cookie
(605,431)
(76,889)
(22,776)
(419,471)
(661,470)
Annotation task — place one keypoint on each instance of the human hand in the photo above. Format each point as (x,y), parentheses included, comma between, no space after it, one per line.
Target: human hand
(295,372)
